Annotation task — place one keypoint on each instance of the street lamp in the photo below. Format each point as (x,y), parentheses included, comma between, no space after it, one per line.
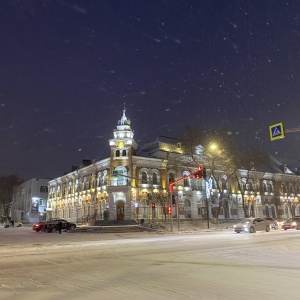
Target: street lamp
(213,146)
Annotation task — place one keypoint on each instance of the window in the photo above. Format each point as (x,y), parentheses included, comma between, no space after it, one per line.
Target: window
(144,177)
(42,202)
(118,153)
(105,177)
(43,189)
(171,178)
(284,188)
(270,188)
(99,180)
(186,182)
(265,188)
(267,211)
(124,153)
(154,178)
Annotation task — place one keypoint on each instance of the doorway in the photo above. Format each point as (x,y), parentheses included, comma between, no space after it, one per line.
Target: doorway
(120,210)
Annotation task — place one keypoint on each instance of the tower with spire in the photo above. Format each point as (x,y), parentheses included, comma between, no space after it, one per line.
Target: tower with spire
(122,147)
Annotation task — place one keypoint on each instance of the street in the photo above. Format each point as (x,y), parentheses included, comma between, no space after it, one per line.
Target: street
(206,265)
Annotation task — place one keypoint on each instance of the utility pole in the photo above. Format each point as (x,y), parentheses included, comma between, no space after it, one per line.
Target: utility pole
(177,212)
(171,204)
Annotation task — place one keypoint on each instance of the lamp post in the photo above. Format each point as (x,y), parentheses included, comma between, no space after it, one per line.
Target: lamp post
(206,202)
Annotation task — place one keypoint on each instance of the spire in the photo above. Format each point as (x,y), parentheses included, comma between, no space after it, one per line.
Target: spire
(124,120)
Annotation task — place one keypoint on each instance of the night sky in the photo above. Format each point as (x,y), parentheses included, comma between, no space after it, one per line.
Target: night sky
(68,66)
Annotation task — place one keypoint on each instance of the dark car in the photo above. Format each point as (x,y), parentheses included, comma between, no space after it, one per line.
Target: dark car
(292,223)
(39,226)
(273,222)
(52,225)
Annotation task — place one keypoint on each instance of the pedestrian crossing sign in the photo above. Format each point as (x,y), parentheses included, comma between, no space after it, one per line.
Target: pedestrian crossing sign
(276,131)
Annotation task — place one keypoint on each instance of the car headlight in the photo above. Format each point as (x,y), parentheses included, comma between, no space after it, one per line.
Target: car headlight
(234,226)
(294,223)
(244,226)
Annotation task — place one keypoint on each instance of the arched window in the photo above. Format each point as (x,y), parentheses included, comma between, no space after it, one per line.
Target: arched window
(265,188)
(267,211)
(284,188)
(186,182)
(273,212)
(144,177)
(171,177)
(105,177)
(118,153)
(124,153)
(154,178)
(270,187)
(250,186)
(99,180)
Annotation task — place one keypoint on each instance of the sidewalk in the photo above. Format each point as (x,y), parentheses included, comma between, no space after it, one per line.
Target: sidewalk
(189,226)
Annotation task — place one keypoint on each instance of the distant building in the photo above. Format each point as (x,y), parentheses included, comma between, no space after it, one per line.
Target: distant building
(29,201)
(131,185)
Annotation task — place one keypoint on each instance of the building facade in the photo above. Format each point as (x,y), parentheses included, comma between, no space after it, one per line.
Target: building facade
(29,201)
(127,186)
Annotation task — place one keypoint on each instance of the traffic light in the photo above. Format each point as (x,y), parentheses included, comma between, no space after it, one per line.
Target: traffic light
(199,173)
(153,205)
(169,209)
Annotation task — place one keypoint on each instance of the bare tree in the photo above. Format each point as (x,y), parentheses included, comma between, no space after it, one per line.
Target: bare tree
(223,157)
(248,160)
(7,184)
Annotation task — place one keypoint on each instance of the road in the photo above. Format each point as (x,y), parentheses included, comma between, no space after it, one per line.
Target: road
(206,265)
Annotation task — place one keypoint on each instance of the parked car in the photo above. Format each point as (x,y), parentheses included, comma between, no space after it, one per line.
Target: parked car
(52,225)
(12,223)
(273,222)
(292,223)
(252,225)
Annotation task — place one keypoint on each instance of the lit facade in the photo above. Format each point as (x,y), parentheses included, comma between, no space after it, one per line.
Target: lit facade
(125,185)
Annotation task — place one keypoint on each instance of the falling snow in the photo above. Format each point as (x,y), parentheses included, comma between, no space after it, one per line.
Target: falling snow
(68,66)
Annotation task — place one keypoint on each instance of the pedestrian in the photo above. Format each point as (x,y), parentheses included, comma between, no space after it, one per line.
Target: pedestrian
(59,225)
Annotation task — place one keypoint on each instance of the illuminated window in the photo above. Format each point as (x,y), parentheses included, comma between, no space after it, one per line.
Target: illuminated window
(144,177)
(154,178)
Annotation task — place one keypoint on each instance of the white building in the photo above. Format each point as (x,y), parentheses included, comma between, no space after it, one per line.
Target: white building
(29,201)
(129,185)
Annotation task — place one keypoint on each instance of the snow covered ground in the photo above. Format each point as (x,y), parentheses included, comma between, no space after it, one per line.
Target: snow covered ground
(215,264)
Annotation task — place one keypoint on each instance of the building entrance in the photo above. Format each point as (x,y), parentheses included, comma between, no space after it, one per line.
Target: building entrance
(120,210)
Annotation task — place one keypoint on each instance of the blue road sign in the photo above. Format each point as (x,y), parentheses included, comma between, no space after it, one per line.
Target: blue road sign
(276,131)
